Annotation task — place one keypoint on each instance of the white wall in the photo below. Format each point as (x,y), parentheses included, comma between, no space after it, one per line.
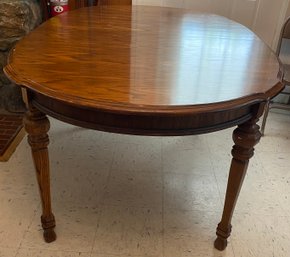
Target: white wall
(288,11)
(269,19)
(264,17)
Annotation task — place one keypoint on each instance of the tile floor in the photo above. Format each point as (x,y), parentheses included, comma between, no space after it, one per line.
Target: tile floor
(116,195)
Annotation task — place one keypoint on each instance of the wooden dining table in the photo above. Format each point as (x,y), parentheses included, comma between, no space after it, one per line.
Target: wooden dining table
(145,71)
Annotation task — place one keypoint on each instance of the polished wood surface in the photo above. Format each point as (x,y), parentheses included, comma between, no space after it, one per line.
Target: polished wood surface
(144,58)
(150,71)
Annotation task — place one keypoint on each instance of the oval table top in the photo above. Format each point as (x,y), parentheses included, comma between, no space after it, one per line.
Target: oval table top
(139,58)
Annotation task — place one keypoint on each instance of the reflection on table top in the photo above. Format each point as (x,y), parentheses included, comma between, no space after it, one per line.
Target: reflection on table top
(143,56)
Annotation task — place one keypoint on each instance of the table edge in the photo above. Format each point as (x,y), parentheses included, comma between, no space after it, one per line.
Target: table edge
(149,109)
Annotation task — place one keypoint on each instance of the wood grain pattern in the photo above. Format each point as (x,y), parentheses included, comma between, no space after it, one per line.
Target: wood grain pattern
(110,57)
(164,124)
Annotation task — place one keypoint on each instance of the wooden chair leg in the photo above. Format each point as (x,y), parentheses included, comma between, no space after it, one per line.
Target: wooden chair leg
(37,126)
(266,112)
(245,137)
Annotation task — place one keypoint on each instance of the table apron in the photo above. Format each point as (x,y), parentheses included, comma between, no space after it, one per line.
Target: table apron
(171,124)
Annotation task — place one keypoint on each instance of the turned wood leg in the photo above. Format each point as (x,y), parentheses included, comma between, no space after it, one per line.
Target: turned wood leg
(245,137)
(37,126)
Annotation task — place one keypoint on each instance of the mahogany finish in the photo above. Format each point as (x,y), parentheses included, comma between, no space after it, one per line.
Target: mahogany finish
(150,71)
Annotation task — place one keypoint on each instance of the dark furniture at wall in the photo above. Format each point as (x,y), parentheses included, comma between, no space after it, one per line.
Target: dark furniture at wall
(76,4)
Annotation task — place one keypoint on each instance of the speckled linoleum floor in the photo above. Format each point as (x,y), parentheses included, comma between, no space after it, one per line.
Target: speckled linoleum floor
(116,195)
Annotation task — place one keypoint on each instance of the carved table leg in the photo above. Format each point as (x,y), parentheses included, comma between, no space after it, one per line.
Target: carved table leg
(245,137)
(37,126)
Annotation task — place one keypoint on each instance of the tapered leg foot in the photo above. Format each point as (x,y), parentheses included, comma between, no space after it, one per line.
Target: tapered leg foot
(48,224)
(220,243)
(49,235)
(223,233)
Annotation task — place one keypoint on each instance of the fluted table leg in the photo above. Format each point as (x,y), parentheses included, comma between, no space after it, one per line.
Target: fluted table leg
(37,126)
(245,137)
